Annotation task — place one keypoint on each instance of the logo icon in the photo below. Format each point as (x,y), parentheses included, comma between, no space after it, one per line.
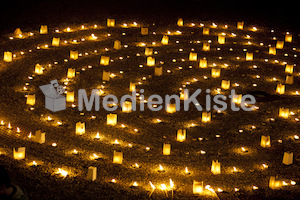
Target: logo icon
(54,100)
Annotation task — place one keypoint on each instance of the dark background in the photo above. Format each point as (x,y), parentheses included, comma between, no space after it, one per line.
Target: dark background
(33,13)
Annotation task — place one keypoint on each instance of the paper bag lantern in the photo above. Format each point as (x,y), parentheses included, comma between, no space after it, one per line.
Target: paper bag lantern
(148,51)
(118,157)
(7,56)
(19,153)
(193,56)
(280,89)
(249,56)
(240,25)
(237,98)
(184,95)
(265,141)
(158,71)
(80,128)
(40,137)
(181,135)
(289,80)
(111,22)
(206,117)
(117,44)
(132,87)
(150,61)
(166,149)
(126,106)
(288,37)
(180,22)
(74,55)
(165,40)
(284,113)
(216,167)
(279,44)
(171,108)
(272,50)
(225,84)
(71,73)
(273,183)
(38,69)
(215,72)
(287,158)
(205,31)
(289,69)
(92,173)
(206,46)
(55,42)
(198,188)
(203,63)
(30,99)
(106,76)
(221,39)
(70,96)
(44,29)
(104,60)
(144,31)
(112,119)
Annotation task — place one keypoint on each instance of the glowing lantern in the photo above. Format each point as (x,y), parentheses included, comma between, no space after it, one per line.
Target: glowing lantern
(19,153)
(193,56)
(80,128)
(240,25)
(205,31)
(216,167)
(206,117)
(166,149)
(237,98)
(171,108)
(111,22)
(150,61)
(44,29)
(198,188)
(144,31)
(158,71)
(70,96)
(181,135)
(7,56)
(148,51)
(284,113)
(118,157)
(206,46)
(126,106)
(279,44)
(40,137)
(104,60)
(55,42)
(249,56)
(272,50)
(105,76)
(288,37)
(92,173)
(117,44)
(165,40)
(71,73)
(273,183)
(18,32)
(74,55)
(38,69)
(221,39)
(280,88)
(112,119)
(180,22)
(183,95)
(289,69)
(287,158)
(289,80)
(30,99)
(203,63)
(225,84)
(215,72)
(131,87)
(265,141)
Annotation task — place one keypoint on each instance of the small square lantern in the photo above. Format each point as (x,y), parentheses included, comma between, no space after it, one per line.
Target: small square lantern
(216,167)
(198,188)
(284,113)
(111,119)
(215,72)
(144,31)
(280,89)
(104,60)
(289,69)
(240,25)
(288,37)
(171,108)
(221,39)
(272,50)
(158,71)
(40,137)
(225,84)
(71,73)
(80,128)
(55,42)
(237,98)
(205,31)
(289,79)
(7,56)
(70,96)
(150,61)
(165,40)
(118,157)
(127,106)
(111,22)
(38,69)
(148,51)
(180,22)
(206,117)
(265,141)
(105,76)
(181,135)
(249,56)
(203,63)
(30,99)
(193,56)
(166,149)
(117,44)
(73,55)
(279,44)
(206,46)
(184,95)
(132,87)
(92,173)
(287,158)
(44,29)
(273,183)
(19,153)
